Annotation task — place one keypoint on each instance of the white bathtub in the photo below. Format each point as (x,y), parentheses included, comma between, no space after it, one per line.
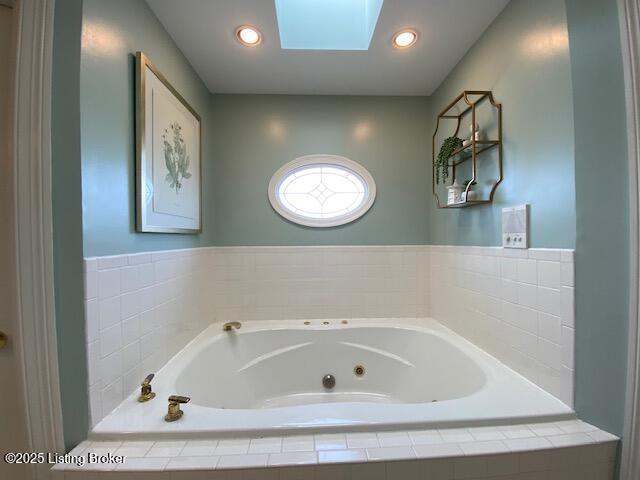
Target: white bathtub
(267,378)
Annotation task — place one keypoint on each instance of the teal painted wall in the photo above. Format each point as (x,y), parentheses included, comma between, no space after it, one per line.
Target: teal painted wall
(557,69)
(67,219)
(602,245)
(112,32)
(523,57)
(93,162)
(254,135)
(531,78)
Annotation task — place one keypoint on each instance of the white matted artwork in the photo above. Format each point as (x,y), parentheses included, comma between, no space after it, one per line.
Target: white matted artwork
(168,159)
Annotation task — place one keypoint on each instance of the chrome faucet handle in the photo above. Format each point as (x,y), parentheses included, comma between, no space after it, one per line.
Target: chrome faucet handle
(174,413)
(145,392)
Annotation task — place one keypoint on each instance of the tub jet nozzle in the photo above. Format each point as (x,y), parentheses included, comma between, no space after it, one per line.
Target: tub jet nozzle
(328,381)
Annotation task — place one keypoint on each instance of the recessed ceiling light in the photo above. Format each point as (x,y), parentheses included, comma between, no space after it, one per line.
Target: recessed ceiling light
(405,38)
(248,36)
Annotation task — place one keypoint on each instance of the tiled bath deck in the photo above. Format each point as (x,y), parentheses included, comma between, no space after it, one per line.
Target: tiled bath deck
(568,450)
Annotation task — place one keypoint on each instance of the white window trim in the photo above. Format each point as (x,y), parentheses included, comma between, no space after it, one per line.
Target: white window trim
(322,159)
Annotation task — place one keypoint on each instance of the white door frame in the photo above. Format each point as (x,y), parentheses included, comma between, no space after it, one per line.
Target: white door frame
(629,12)
(36,340)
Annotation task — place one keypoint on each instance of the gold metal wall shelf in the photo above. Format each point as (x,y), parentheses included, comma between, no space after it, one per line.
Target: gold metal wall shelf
(463,106)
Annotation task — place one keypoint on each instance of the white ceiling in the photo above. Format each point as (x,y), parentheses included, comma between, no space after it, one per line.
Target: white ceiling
(204,31)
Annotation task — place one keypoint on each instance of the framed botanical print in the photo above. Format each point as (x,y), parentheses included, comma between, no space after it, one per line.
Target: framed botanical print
(168,155)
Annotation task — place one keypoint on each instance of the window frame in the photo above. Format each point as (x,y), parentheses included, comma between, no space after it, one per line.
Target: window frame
(318,160)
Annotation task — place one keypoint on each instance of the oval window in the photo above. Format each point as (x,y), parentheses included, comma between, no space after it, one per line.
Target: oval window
(322,191)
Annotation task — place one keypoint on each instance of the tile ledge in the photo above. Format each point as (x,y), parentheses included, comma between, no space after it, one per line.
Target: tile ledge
(595,436)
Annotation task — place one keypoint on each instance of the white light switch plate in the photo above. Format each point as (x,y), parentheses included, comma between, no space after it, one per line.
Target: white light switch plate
(515,227)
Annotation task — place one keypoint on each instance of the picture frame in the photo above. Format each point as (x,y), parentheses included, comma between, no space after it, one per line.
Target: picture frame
(168,156)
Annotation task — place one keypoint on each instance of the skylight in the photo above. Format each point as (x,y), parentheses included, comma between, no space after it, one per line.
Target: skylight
(327,24)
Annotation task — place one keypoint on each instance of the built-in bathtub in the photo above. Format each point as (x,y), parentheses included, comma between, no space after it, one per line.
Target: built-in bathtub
(266,378)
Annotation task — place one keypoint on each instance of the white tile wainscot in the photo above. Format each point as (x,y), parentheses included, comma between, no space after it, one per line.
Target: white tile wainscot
(518,305)
(140,309)
(280,283)
(569,450)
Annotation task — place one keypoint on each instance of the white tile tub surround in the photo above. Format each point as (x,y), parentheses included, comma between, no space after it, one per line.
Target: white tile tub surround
(518,305)
(568,450)
(280,283)
(140,310)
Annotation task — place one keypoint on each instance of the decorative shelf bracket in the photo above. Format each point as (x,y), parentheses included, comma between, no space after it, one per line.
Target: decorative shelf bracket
(464,107)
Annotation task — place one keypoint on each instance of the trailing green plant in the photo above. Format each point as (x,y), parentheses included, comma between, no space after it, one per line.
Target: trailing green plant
(449,145)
